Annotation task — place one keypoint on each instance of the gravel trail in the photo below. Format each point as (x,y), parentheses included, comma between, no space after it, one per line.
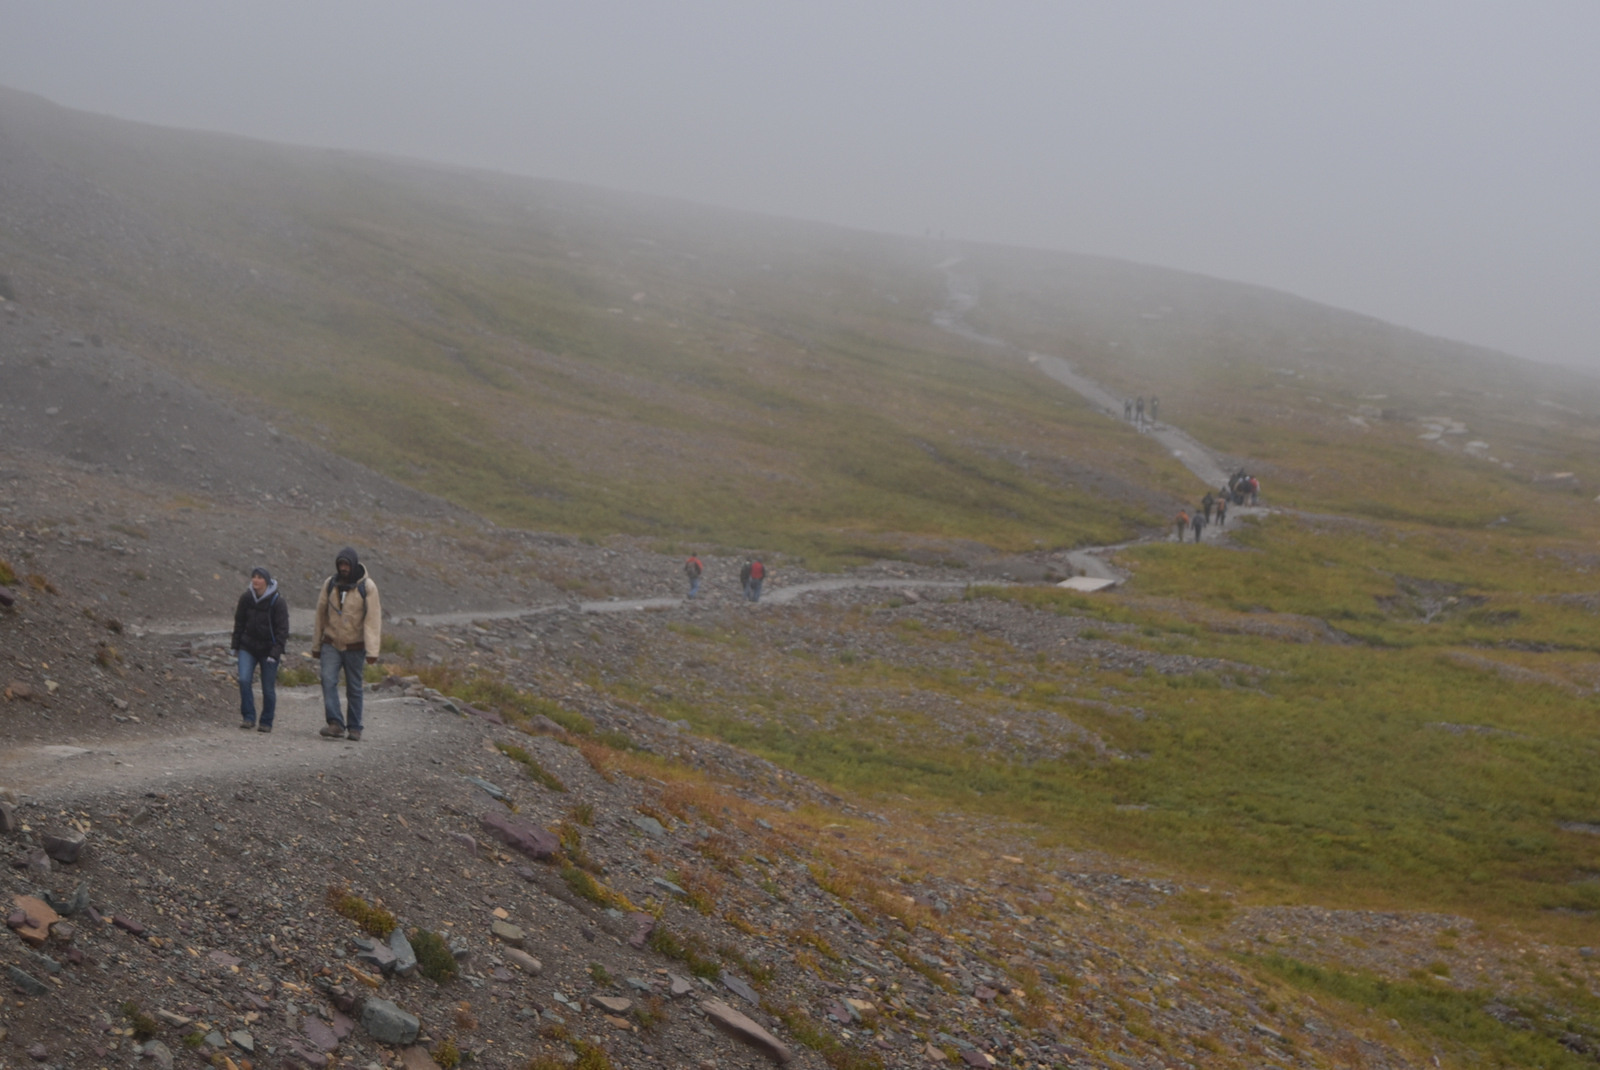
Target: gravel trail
(1205,465)
(393,726)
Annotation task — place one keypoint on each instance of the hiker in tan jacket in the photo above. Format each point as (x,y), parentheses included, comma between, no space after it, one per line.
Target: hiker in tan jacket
(348,635)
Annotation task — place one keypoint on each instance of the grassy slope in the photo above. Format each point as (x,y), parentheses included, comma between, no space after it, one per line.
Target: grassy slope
(562,358)
(779,385)
(1328,406)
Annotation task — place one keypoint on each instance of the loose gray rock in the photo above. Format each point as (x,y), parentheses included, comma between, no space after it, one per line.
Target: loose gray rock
(650,827)
(158,1053)
(405,957)
(739,988)
(27,982)
(64,847)
(243,1041)
(378,956)
(492,790)
(387,1023)
(8,818)
(524,961)
(507,932)
(67,907)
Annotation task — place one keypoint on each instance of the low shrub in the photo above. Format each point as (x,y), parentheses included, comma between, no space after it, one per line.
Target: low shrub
(374,919)
(434,960)
(530,765)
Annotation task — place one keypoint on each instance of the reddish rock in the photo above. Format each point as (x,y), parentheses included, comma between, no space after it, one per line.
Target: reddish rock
(320,1034)
(530,840)
(36,921)
(127,925)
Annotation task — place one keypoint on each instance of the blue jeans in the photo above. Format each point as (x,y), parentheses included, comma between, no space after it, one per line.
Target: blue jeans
(269,688)
(753,592)
(353,662)
(694,586)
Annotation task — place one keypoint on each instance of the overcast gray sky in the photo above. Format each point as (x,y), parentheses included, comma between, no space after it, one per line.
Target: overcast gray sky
(1432,163)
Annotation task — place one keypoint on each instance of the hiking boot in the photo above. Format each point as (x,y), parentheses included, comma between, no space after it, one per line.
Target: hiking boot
(332,731)
(354,735)
(265,728)
(245,726)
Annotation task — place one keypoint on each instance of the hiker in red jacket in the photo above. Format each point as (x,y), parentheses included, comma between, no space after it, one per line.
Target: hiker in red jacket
(693,569)
(1182,520)
(758,572)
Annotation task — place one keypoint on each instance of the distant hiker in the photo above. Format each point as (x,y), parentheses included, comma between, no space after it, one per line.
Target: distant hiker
(744,578)
(1255,491)
(1127,409)
(693,569)
(1198,524)
(758,572)
(1222,511)
(260,629)
(1155,404)
(1138,408)
(348,635)
(1182,520)
(1208,503)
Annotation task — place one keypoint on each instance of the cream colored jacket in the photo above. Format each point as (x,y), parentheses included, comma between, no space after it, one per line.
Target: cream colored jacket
(347,621)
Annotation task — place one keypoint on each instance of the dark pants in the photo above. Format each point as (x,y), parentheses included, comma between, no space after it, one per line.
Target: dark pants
(269,688)
(353,662)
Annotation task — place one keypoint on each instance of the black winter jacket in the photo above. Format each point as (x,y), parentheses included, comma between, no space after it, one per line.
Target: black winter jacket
(261,626)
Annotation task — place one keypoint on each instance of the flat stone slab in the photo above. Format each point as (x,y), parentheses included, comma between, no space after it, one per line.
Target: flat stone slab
(27,982)
(507,932)
(37,917)
(320,1034)
(740,988)
(744,1029)
(524,961)
(614,1004)
(537,843)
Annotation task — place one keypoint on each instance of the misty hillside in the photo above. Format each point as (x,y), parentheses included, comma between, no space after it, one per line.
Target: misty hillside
(573,359)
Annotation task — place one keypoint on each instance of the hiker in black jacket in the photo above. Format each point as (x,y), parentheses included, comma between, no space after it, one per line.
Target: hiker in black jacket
(260,630)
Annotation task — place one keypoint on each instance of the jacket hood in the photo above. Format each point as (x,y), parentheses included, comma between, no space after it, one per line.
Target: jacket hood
(272,589)
(358,571)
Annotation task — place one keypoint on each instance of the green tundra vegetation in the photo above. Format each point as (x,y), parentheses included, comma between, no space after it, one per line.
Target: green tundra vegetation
(1395,702)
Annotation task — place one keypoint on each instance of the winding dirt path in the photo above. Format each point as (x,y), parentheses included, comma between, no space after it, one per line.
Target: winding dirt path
(962,298)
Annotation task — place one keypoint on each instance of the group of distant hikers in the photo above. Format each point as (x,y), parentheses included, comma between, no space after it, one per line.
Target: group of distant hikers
(751,576)
(1134,409)
(1241,489)
(346,637)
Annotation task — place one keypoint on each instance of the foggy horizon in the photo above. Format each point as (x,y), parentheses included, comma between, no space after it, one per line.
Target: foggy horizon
(1425,166)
